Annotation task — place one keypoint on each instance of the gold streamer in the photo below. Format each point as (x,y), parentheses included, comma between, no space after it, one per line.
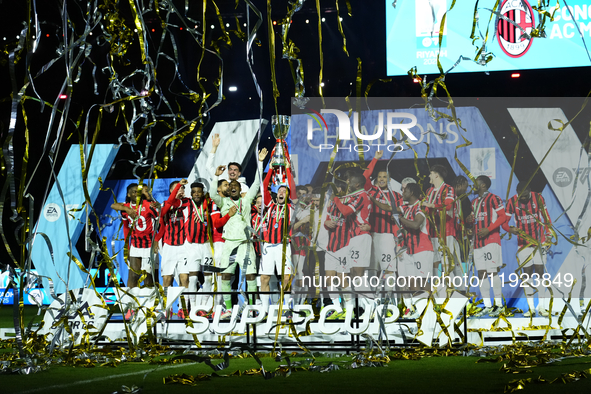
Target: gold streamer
(473,38)
(271,33)
(188,321)
(320,77)
(140,29)
(225,36)
(340,26)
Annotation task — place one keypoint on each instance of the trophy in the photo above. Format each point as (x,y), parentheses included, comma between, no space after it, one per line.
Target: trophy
(279,155)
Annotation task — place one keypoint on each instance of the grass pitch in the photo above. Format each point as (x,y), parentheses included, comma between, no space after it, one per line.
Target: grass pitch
(434,374)
(29,314)
(409,371)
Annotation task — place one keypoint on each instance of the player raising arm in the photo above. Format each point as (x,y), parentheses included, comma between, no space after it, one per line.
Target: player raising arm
(273,235)
(237,246)
(383,225)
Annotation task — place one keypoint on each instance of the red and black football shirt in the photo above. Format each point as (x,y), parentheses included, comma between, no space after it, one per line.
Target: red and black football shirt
(416,240)
(379,219)
(174,217)
(196,226)
(275,216)
(443,198)
(529,217)
(487,210)
(142,227)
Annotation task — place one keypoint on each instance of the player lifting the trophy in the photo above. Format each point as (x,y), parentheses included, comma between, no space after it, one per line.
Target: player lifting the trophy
(276,220)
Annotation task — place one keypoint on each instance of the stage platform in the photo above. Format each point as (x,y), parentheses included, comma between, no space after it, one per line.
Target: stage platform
(477,331)
(440,322)
(353,335)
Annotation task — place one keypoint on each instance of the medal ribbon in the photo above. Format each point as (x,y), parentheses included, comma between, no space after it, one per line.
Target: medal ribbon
(480,201)
(411,208)
(259,223)
(279,214)
(238,206)
(384,196)
(199,212)
(433,196)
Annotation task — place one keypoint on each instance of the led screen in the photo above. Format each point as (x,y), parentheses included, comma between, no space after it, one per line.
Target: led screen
(412,29)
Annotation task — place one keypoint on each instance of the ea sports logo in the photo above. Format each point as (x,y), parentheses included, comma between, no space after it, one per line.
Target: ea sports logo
(510,35)
(35,297)
(562,177)
(52,212)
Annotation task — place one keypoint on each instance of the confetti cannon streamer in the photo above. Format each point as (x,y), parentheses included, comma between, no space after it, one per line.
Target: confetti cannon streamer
(280,156)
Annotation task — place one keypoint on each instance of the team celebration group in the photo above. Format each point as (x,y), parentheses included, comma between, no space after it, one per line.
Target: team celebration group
(327,250)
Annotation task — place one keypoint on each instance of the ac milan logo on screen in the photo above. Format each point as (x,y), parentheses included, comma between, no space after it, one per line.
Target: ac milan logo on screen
(510,36)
